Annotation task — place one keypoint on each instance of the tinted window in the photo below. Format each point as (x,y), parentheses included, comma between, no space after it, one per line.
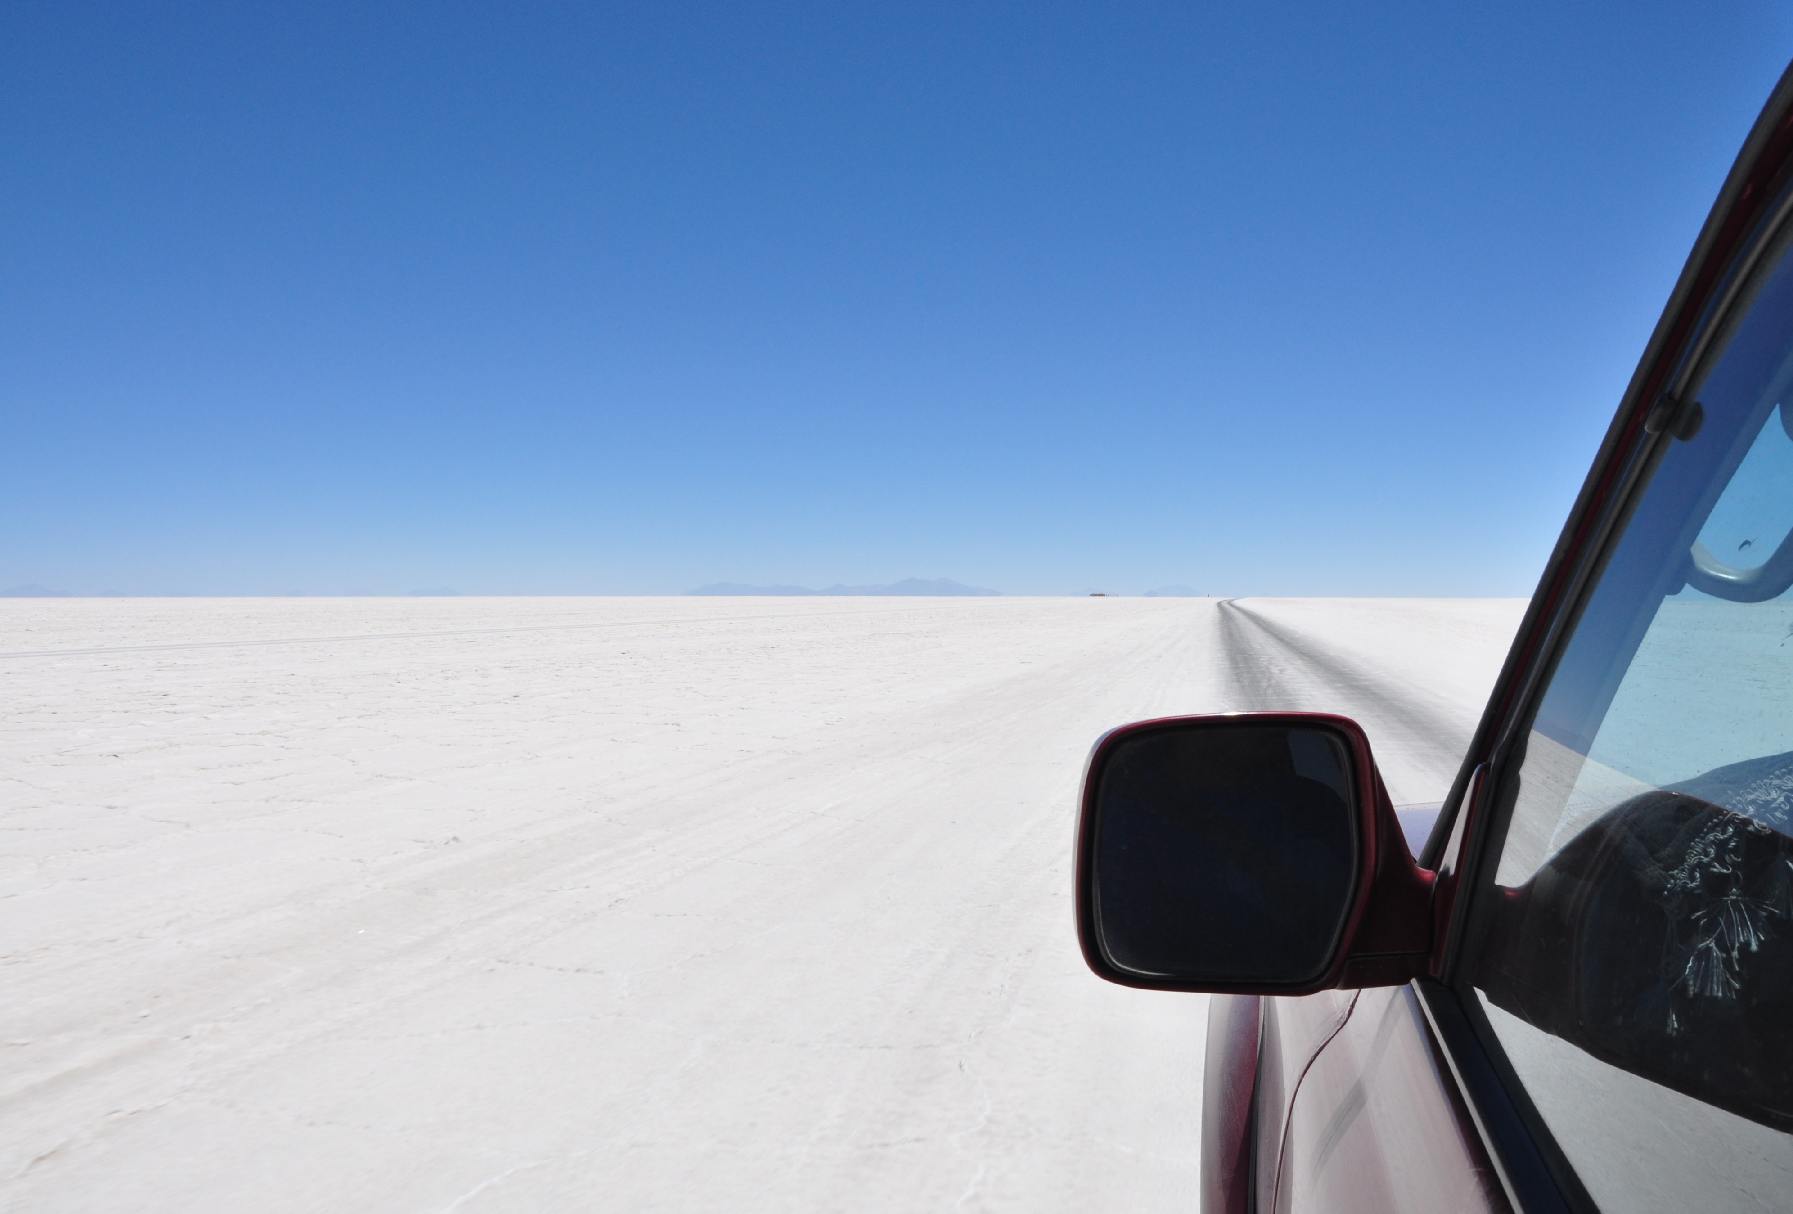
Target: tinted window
(1635,956)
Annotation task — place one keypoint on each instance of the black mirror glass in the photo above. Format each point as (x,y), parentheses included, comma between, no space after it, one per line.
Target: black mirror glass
(1224,851)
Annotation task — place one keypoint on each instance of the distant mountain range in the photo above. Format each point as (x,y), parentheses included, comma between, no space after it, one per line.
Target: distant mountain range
(914,586)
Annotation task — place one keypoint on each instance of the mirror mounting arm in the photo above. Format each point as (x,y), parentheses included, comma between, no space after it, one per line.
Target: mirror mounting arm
(1392,944)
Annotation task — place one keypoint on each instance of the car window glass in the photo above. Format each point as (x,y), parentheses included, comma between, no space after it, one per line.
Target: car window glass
(1707,687)
(1754,516)
(1634,956)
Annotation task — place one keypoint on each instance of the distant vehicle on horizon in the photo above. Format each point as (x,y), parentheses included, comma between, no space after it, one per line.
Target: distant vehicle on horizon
(1570,986)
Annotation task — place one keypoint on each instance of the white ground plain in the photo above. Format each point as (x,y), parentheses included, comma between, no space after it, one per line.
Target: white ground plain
(504,904)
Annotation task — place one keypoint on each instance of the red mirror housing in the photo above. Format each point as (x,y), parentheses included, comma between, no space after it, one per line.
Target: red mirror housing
(1380,932)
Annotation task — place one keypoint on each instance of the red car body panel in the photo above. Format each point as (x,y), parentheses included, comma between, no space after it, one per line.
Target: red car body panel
(1377,1123)
(1228,1125)
(1295,1031)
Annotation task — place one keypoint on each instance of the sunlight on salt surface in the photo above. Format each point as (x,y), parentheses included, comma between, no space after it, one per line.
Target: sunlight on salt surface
(376,903)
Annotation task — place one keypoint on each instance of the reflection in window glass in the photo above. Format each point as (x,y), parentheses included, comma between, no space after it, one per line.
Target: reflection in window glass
(1755,514)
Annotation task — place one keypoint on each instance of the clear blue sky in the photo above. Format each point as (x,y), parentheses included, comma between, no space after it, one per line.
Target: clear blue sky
(578,298)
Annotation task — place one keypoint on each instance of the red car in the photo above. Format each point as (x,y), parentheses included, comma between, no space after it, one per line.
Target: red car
(1576,990)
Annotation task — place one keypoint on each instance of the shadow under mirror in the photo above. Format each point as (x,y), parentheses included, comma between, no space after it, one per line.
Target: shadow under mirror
(1225,851)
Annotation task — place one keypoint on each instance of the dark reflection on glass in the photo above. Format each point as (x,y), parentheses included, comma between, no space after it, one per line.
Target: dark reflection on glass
(1660,939)
(1225,851)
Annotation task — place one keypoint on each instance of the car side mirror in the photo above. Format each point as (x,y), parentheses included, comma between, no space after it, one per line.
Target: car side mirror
(1251,852)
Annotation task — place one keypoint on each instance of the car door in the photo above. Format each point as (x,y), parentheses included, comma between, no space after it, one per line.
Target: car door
(1609,1022)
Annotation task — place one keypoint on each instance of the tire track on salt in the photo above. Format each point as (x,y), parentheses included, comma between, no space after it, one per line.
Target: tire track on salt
(1266,660)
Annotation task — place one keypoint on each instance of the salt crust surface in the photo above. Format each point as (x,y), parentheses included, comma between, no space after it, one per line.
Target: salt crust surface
(489,904)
